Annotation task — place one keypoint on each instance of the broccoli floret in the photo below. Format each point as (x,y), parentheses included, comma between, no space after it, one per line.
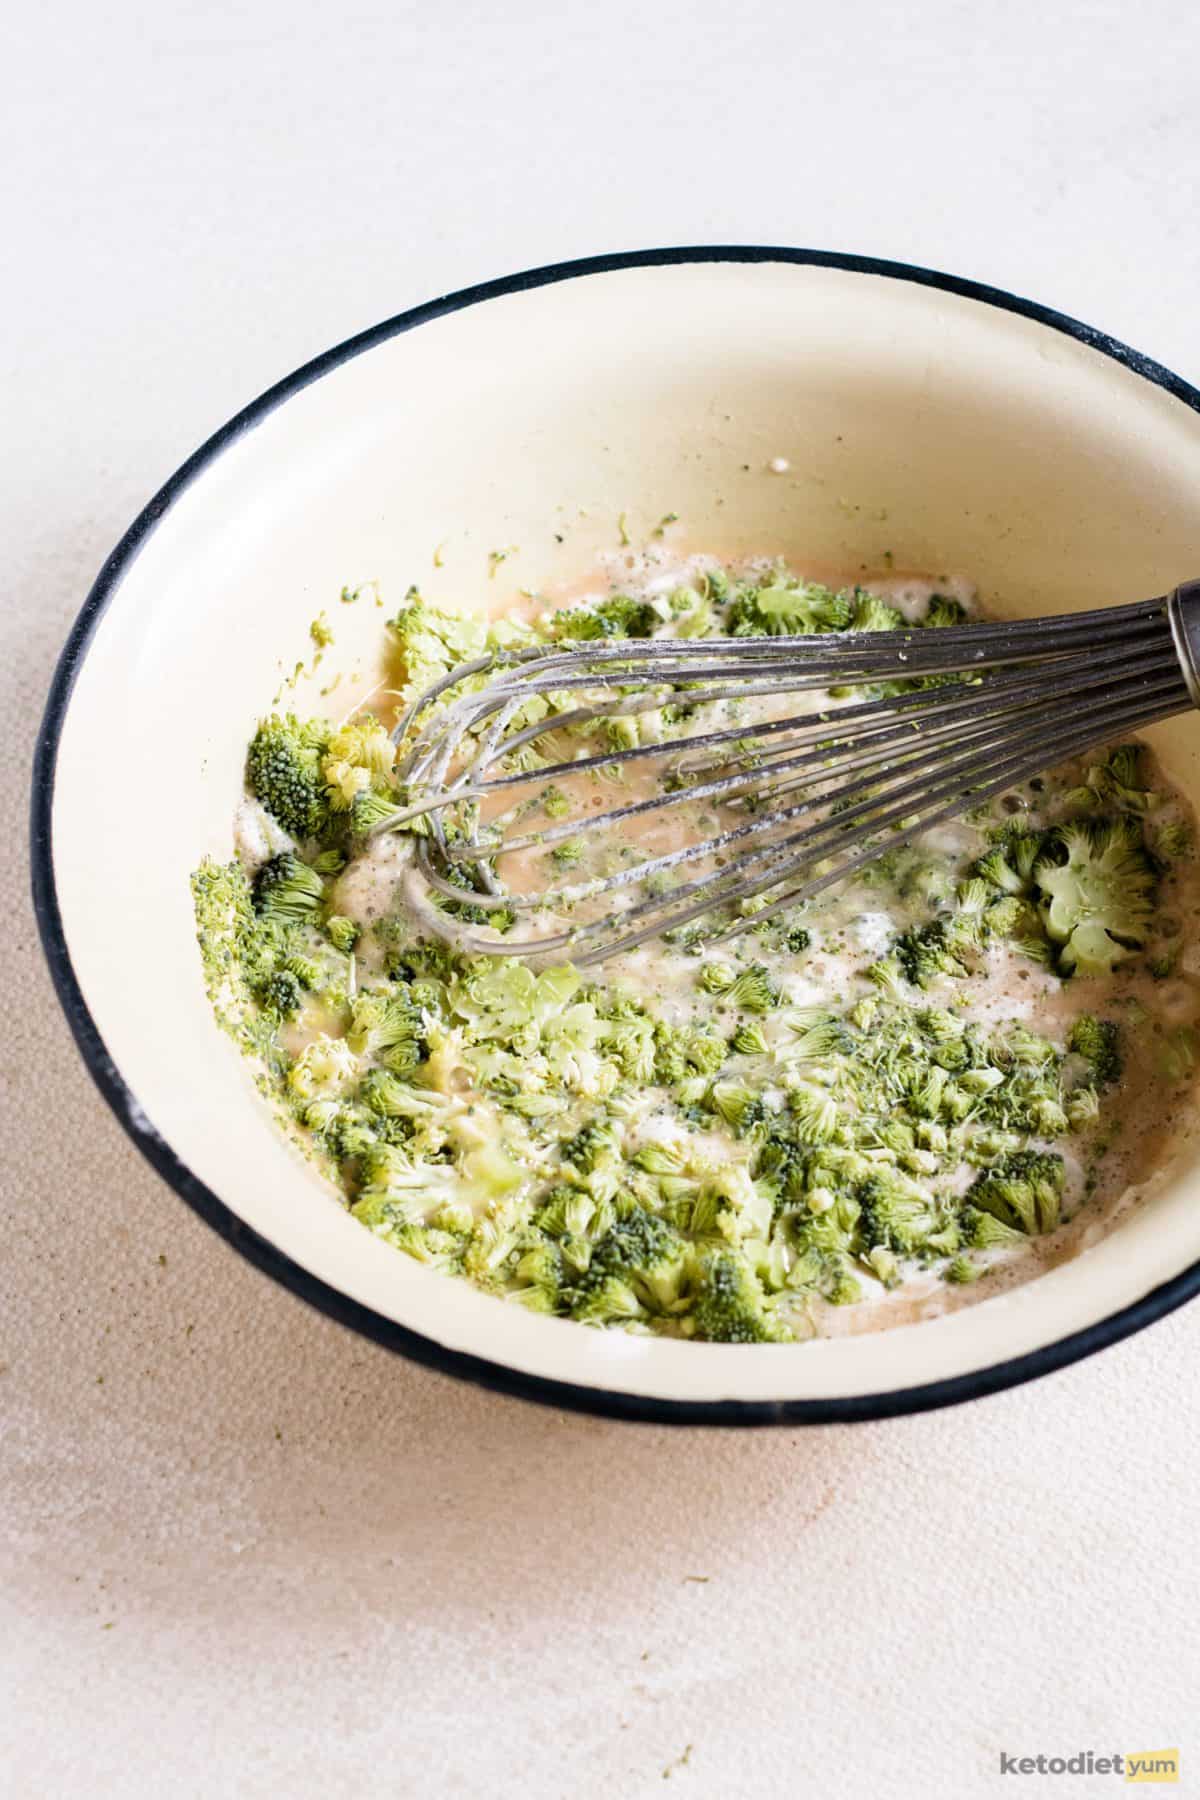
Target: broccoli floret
(749,1040)
(281,994)
(384,1093)
(1023,1190)
(754,990)
(1011,916)
(782,608)
(641,1257)
(731,1305)
(287,891)
(390,1220)
(589,1147)
(984,1231)
(1097,893)
(898,1214)
(369,811)
(359,756)
(739,1105)
(350,1133)
(1009,864)
(843,1288)
(813,1112)
(577,1221)
(235,941)
(1097,1041)
(873,614)
(618,616)
(608,1302)
(539,1276)
(1082,1108)
(322,1069)
(633,1043)
(387,1025)
(942,610)
(622,732)
(342,933)
(308,973)
(432,643)
(888,975)
(679,1053)
(716,977)
(1172,840)
(284,771)
(926,953)
(1117,780)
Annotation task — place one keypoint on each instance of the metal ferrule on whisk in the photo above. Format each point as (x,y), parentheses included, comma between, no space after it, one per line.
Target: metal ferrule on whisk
(1183,610)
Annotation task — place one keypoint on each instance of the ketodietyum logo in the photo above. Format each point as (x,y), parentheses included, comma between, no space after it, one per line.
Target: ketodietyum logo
(1127,1765)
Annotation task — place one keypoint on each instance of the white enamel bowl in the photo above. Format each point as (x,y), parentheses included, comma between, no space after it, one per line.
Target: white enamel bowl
(961,430)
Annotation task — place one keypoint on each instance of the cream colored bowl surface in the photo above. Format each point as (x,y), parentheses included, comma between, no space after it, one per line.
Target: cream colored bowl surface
(954,427)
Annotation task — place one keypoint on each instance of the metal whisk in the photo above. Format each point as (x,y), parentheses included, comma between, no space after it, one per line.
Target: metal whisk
(808,796)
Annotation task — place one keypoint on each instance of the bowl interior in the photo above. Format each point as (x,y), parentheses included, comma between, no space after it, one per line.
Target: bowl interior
(920,427)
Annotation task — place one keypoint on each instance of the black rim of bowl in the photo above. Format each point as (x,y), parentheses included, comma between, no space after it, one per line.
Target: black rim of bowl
(264,1255)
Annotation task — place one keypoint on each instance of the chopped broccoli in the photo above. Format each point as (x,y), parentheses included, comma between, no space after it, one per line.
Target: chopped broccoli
(985,1231)
(943,610)
(749,1039)
(898,1214)
(431,643)
(642,1265)
(357,757)
(282,994)
(368,811)
(873,614)
(1082,1108)
(738,1103)
(1009,864)
(1172,839)
(785,608)
(1117,780)
(283,770)
(387,1025)
(588,1149)
(594,1144)
(555,804)
(1023,1190)
(754,990)
(716,977)
(287,890)
(342,933)
(927,952)
(618,616)
(731,1306)
(1097,893)
(1097,1041)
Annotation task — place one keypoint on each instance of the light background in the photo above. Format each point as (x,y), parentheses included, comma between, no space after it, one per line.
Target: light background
(244,1553)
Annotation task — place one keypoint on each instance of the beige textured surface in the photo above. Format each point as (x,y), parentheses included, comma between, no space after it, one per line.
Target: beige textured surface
(244,1553)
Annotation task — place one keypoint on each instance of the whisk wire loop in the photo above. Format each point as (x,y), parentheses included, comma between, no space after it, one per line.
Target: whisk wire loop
(784,798)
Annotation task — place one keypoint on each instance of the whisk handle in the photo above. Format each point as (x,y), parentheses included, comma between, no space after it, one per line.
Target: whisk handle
(1183,610)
